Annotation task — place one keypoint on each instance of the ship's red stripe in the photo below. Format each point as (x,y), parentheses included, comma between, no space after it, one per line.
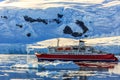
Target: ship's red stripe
(77,57)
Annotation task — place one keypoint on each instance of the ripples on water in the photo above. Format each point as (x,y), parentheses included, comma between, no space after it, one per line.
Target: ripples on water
(87,71)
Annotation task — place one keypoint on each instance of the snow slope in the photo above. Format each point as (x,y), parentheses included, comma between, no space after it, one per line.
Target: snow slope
(106,44)
(25,21)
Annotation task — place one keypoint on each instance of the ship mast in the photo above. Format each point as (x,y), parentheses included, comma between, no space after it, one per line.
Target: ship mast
(58,42)
(78,47)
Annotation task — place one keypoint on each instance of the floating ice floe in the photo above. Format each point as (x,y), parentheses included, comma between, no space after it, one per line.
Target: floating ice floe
(48,65)
(115,70)
(25,66)
(59,65)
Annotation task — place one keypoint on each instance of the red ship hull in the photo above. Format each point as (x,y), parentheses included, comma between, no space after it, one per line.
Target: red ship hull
(76,58)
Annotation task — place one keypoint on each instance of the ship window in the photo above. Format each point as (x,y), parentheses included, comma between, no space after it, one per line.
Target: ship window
(82,48)
(75,48)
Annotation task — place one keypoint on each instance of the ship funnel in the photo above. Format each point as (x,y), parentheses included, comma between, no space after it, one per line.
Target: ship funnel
(81,43)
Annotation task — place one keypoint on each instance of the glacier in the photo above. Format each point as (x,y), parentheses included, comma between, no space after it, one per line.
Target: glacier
(26,22)
(28,25)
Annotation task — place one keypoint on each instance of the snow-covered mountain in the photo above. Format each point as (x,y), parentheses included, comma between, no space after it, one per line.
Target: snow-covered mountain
(25,21)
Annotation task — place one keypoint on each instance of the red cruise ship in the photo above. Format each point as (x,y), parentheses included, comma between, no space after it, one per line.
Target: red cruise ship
(76,54)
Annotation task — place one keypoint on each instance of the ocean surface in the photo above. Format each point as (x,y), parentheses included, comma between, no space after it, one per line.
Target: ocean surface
(87,71)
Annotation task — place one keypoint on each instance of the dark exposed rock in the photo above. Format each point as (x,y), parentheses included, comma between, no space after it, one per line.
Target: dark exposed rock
(19,25)
(29,19)
(28,34)
(67,30)
(90,21)
(45,21)
(81,24)
(85,35)
(60,15)
(76,34)
(5,17)
(57,21)
(42,20)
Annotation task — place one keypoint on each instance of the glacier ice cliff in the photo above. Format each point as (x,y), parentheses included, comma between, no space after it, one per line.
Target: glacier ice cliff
(21,25)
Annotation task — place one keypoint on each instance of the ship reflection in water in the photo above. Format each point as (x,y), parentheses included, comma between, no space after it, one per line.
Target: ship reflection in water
(95,70)
(87,71)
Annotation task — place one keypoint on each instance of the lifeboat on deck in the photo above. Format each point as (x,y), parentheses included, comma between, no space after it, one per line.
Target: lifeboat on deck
(64,48)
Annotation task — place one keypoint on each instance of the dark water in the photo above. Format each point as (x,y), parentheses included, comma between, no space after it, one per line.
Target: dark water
(87,71)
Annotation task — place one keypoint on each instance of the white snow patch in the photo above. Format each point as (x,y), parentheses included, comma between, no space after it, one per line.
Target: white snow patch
(112,3)
(46,3)
(115,70)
